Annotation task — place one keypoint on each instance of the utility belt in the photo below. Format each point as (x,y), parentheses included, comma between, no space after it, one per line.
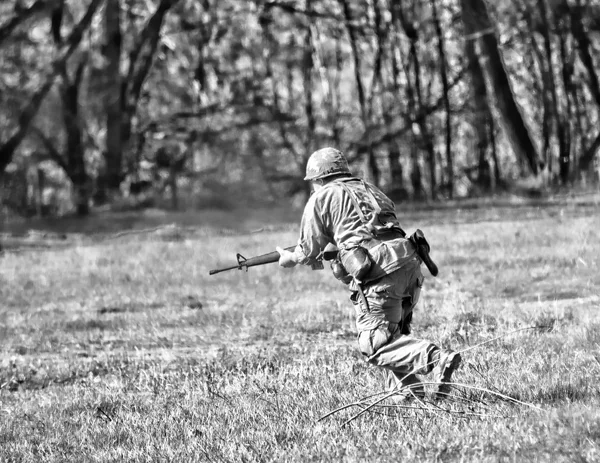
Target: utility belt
(364,262)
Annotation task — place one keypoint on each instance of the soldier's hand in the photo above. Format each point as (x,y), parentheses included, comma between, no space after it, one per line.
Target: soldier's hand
(287,259)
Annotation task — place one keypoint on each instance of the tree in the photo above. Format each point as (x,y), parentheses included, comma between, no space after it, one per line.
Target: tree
(446,98)
(478,26)
(21,16)
(123,91)
(67,48)
(114,110)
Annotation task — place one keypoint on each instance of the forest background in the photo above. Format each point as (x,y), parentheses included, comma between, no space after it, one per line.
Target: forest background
(170,103)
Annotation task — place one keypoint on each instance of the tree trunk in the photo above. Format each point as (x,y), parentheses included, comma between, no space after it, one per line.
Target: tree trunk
(481,117)
(308,67)
(478,27)
(415,174)
(584,47)
(492,134)
(128,95)
(75,147)
(416,96)
(446,98)
(542,82)
(299,158)
(28,113)
(366,145)
(173,173)
(22,15)
(397,188)
(40,187)
(562,114)
(113,156)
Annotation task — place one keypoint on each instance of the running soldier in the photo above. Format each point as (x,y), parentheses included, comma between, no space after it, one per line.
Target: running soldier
(381,267)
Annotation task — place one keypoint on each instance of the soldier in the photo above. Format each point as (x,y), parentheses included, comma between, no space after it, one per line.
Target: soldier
(380,265)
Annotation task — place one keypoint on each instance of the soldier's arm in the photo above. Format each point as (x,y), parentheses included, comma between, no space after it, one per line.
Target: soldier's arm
(313,239)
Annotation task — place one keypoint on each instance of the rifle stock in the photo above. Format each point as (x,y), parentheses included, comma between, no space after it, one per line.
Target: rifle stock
(242,262)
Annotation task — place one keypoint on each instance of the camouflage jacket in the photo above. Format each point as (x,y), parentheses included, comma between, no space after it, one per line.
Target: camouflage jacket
(331,217)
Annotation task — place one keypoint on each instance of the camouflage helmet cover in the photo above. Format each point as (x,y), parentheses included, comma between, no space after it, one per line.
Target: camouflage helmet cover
(325,162)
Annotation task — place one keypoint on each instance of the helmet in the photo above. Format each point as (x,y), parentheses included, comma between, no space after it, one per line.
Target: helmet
(325,162)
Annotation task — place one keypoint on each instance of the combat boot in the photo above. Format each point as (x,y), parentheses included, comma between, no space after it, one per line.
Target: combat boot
(409,388)
(447,361)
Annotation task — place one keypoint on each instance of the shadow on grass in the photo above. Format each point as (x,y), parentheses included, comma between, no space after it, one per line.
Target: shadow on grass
(34,380)
(555,394)
(129,307)
(93,324)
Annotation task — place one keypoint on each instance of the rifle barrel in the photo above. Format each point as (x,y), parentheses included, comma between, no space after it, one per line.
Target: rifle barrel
(219,270)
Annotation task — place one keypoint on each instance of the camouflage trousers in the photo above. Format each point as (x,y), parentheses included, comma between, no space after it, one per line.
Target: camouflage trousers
(384,326)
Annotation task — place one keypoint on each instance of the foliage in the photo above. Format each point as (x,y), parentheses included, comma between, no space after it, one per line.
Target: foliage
(427,98)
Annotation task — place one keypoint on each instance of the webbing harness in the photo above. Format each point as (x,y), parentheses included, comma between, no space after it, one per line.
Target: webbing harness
(368,223)
(374,203)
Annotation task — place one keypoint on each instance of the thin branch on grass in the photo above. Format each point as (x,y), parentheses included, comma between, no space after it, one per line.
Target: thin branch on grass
(365,410)
(99,409)
(498,394)
(397,390)
(362,401)
(431,407)
(498,337)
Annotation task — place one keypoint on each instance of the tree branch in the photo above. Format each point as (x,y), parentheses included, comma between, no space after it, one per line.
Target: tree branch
(28,113)
(7,28)
(51,149)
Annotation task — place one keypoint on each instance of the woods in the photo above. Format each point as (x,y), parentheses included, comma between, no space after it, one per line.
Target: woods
(430,99)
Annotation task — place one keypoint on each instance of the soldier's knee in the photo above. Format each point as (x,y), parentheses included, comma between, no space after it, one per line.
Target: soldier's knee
(371,341)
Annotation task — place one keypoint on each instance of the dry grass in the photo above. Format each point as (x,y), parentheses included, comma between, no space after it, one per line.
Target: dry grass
(129,351)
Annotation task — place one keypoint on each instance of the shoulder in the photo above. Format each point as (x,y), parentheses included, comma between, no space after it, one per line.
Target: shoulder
(377,192)
(338,185)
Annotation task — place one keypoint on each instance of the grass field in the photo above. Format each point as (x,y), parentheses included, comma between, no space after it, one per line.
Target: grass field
(126,350)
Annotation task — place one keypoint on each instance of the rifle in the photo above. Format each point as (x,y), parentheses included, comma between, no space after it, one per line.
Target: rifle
(330,253)
(242,262)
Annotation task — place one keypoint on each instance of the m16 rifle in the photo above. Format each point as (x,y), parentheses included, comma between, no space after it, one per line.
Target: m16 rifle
(329,254)
(243,263)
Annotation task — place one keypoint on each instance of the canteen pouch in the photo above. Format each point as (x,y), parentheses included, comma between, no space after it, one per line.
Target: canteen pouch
(357,261)
(340,272)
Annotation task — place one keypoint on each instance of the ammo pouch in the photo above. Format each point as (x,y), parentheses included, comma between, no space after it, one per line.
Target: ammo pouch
(356,261)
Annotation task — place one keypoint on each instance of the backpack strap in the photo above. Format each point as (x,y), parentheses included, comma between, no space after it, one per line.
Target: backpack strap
(361,214)
(354,200)
(370,224)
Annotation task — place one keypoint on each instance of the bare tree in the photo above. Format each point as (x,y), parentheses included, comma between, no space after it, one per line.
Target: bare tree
(446,98)
(417,104)
(123,102)
(22,16)
(351,24)
(477,24)
(113,95)
(29,111)
(584,48)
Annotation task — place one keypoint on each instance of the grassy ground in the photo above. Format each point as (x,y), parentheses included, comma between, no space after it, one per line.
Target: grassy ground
(126,350)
